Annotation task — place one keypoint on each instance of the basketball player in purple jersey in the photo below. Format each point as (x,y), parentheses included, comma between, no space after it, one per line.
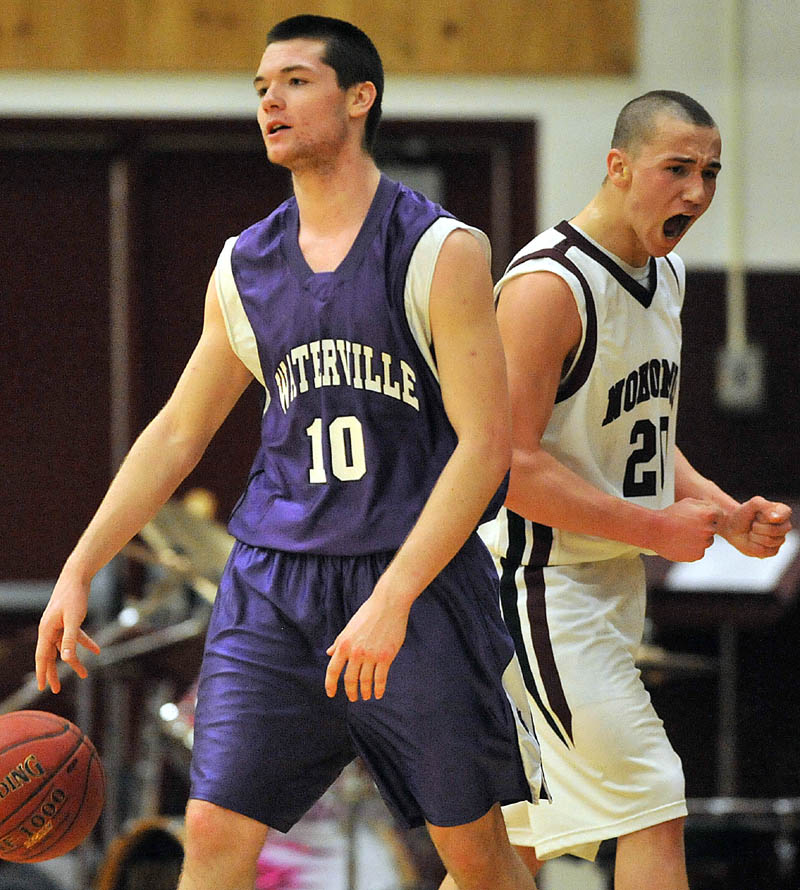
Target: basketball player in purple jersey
(589,313)
(358,614)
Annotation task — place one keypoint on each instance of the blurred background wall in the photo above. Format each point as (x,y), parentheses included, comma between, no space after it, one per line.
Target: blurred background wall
(84,80)
(583,59)
(129,151)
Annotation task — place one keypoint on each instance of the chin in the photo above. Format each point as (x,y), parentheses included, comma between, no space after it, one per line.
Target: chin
(663,250)
(278,158)
(661,245)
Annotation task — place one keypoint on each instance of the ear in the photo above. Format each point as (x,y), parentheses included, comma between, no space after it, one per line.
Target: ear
(618,167)
(361,97)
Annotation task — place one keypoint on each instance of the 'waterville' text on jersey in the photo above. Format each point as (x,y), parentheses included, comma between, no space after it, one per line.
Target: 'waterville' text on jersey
(656,379)
(332,362)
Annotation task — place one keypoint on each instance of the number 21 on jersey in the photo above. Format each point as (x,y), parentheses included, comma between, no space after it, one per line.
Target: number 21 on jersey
(650,442)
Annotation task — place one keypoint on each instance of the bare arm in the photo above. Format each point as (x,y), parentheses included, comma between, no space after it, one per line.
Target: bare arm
(161,457)
(541,328)
(472,375)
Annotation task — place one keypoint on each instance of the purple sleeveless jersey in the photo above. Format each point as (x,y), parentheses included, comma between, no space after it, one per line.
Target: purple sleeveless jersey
(355,434)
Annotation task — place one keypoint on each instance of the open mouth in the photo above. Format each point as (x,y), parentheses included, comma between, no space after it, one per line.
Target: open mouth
(676,225)
(274,128)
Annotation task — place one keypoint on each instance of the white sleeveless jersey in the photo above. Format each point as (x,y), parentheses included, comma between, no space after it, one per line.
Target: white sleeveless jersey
(613,422)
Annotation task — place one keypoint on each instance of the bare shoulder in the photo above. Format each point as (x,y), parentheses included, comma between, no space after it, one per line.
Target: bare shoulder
(539,308)
(461,288)
(462,247)
(539,287)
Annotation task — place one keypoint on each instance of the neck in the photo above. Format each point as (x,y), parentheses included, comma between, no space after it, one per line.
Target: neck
(603,220)
(340,195)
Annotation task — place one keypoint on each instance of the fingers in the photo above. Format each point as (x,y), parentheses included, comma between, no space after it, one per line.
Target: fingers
(47,666)
(361,677)
(69,650)
(777,510)
(48,647)
(762,551)
(335,666)
(53,678)
(87,642)
(768,533)
(380,678)
(46,671)
(770,524)
(365,680)
(776,515)
(357,678)
(766,544)
(771,529)
(352,676)
(770,513)
(68,645)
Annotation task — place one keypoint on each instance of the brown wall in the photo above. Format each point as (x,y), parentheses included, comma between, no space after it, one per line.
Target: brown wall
(191,185)
(194,184)
(748,454)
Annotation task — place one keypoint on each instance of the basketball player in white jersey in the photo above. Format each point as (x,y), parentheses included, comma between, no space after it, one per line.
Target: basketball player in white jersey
(589,312)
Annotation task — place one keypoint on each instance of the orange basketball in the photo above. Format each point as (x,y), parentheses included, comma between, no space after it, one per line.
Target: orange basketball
(52,786)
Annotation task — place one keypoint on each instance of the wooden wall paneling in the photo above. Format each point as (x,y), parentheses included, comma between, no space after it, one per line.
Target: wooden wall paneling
(54,35)
(506,37)
(132,35)
(552,37)
(195,35)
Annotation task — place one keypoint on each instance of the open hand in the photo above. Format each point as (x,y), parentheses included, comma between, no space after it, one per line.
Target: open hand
(60,632)
(366,648)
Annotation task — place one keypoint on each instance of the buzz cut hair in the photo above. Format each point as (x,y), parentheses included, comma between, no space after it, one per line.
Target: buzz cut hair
(348,50)
(635,122)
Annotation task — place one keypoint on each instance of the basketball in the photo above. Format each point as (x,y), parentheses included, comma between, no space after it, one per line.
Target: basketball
(52,786)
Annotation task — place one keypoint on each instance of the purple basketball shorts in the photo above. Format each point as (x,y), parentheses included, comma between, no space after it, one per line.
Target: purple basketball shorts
(441,744)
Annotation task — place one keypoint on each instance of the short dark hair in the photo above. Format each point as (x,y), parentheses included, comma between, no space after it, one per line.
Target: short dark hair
(635,120)
(348,50)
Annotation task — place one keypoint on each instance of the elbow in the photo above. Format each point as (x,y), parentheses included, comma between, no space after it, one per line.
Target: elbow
(186,453)
(523,470)
(184,447)
(504,455)
(496,453)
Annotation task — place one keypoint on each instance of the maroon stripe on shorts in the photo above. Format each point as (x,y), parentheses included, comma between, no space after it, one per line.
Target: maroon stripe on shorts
(542,647)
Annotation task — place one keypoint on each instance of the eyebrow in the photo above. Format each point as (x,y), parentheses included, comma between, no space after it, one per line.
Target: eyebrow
(287,70)
(714,164)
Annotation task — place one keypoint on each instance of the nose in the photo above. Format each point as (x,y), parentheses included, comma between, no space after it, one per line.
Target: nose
(271,98)
(695,189)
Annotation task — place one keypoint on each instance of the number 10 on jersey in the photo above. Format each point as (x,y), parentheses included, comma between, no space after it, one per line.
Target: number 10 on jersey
(346,440)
